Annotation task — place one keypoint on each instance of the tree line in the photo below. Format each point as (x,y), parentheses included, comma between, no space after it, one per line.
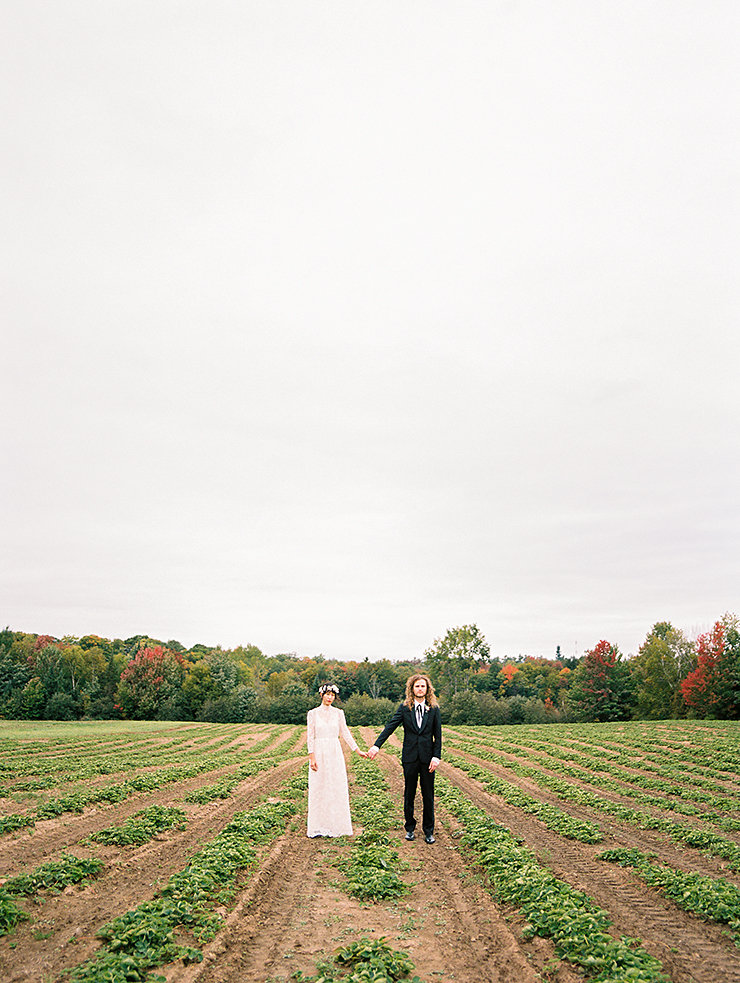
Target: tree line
(142,678)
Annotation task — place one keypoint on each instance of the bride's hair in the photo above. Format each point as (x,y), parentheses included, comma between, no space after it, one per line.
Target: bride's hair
(431,699)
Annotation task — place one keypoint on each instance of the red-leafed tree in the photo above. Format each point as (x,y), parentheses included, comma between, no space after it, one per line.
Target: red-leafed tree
(151,678)
(602,687)
(713,688)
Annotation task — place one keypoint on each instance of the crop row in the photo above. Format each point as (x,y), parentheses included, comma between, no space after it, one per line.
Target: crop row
(142,826)
(682,752)
(711,842)
(76,767)
(623,745)
(578,764)
(95,760)
(373,868)
(671,762)
(145,937)
(674,777)
(714,899)
(224,788)
(53,875)
(696,744)
(597,778)
(555,819)
(553,909)
(367,961)
(146,782)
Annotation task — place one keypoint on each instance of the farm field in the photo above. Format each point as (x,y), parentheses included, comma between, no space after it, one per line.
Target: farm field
(131,850)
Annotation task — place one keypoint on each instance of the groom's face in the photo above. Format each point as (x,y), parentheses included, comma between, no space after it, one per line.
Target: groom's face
(420,689)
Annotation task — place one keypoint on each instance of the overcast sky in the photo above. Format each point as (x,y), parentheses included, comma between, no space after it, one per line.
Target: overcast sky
(331,325)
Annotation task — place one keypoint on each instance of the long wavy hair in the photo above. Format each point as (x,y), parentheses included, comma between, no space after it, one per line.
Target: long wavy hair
(430,698)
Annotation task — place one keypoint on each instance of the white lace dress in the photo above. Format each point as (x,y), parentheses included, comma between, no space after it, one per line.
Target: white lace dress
(328,795)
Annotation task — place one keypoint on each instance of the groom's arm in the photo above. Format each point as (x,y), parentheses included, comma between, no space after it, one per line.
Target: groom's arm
(436,740)
(437,734)
(394,722)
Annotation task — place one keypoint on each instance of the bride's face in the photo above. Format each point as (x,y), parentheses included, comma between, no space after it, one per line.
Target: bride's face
(328,697)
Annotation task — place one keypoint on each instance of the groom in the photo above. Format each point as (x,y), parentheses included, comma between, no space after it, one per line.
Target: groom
(422,749)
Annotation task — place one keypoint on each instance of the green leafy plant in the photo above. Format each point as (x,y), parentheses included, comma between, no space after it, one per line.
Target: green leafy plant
(364,961)
(552,907)
(142,826)
(145,937)
(54,875)
(10,913)
(714,899)
(372,869)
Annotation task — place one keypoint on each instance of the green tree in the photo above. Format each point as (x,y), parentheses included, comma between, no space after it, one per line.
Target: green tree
(246,699)
(32,700)
(198,686)
(278,680)
(380,680)
(453,659)
(15,672)
(224,673)
(292,705)
(664,660)
(362,710)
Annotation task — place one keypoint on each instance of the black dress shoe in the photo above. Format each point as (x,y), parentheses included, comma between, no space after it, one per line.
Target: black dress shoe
(429,838)
(410,835)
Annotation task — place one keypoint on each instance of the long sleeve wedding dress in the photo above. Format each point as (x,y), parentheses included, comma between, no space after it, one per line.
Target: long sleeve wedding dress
(328,794)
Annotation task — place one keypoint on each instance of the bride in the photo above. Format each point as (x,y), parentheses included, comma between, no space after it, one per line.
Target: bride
(328,795)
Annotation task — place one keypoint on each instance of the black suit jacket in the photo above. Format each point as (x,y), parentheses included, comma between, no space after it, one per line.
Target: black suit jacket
(422,745)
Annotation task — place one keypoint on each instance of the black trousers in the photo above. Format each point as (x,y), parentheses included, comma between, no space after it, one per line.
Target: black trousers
(416,773)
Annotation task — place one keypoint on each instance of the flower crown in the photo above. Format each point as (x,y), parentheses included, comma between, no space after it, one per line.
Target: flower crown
(328,688)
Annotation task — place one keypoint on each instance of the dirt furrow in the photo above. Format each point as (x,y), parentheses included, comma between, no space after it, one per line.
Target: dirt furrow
(29,847)
(294,914)
(691,951)
(623,833)
(131,876)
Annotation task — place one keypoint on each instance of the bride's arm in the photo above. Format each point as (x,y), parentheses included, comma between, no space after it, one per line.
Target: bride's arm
(311,740)
(348,738)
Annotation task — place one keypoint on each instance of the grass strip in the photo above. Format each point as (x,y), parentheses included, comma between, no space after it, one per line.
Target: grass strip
(553,908)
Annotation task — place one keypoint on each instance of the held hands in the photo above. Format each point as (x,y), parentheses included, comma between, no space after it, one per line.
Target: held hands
(362,754)
(312,763)
(372,752)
